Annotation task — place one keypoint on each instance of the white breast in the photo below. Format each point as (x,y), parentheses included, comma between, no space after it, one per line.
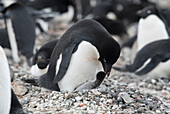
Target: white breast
(5,84)
(84,66)
(162,70)
(150,29)
(38,72)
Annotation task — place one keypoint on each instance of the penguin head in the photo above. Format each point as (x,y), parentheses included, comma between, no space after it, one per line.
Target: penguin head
(145,12)
(109,54)
(42,61)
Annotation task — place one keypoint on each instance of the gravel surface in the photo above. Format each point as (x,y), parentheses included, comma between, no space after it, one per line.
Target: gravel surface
(119,93)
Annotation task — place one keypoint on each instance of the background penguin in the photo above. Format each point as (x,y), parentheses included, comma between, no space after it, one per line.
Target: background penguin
(151,27)
(9,102)
(21,29)
(83,51)
(41,59)
(159,53)
(114,27)
(61,6)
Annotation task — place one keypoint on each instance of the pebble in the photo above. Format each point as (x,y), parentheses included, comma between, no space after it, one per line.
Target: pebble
(125,97)
(141,109)
(19,90)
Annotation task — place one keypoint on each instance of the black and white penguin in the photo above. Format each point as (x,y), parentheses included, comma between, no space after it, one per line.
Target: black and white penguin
(158,54)
(9,102)
(151,32)
(41,58)
(151,27)
(82,52)
(21,30)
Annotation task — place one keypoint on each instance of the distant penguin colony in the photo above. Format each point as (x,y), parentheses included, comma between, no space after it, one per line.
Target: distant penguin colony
(83,51)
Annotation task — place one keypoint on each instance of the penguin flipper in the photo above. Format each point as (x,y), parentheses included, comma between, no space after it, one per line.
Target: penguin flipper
(66,56)
(129,43)
(153,63)
(16,107)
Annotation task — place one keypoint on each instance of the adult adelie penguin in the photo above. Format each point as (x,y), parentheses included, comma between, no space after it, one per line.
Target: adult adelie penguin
(85,51)
(159,54)
(21,30)
(8,100)
(150,49)
(41,58)
(151,26)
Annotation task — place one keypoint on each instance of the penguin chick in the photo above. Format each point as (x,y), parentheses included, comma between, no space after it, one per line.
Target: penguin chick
(41,59)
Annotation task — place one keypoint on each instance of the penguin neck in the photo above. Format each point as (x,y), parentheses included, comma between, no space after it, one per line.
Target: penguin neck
(151,29)
(5,84)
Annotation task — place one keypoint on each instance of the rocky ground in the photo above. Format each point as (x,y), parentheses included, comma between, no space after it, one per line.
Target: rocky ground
(119,93)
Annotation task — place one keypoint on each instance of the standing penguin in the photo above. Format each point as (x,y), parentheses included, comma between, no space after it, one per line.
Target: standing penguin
(41,59)
(84,51)
(21,30)
(8,100)
(151,26)
(152,46)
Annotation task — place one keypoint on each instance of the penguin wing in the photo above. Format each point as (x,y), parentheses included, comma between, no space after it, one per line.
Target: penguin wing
(66,56)
(153,63)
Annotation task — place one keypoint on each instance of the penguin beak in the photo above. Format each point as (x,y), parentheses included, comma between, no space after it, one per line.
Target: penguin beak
(107,69)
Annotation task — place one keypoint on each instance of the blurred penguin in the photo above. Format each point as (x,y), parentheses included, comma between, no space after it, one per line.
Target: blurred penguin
(21,31)
(9,101)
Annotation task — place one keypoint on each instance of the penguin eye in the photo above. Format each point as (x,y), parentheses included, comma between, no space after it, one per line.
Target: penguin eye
(148,11)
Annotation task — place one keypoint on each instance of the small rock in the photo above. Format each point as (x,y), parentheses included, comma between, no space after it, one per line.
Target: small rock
(20,90)
(141,109)
(125,97)
(78,98)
